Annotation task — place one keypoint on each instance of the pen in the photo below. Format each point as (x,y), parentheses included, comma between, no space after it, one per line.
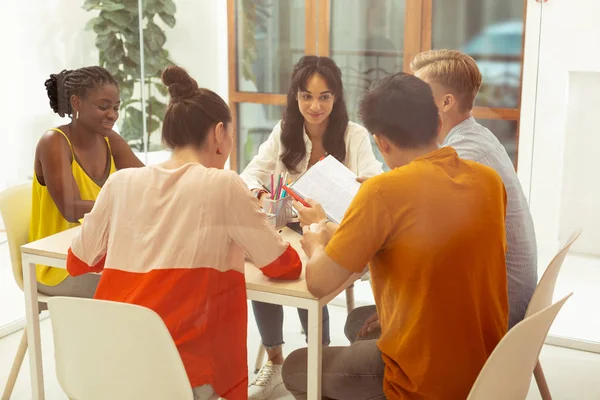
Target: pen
(295,196)
(280,187)
(264,187)
(272,185)
(276,193)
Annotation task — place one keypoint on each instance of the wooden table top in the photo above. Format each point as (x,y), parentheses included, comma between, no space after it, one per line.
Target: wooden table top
(57,246)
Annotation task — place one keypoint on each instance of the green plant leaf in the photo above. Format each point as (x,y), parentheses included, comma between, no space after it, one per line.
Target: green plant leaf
(152,124)
(169,7)
(92,22)
(136,117)
(112,67)
(132,72)
(132,34)
(151,7)
(103,41)
(117,39)
(110,6)
(90,4)
(162,89)
(120,18)
(133,53)
(103,28)
(156,108)
(132,129)
(154,37)
(115,52)
(130,63)
(168,19)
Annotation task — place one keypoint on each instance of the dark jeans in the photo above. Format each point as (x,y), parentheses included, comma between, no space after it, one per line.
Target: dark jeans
(354,372)
(269,318)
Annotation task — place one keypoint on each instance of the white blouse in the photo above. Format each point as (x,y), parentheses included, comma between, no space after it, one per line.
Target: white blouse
(359,157)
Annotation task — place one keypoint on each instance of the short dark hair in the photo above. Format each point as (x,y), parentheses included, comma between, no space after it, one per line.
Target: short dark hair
(60,87)
(401,108)
(292,126)
(192,110)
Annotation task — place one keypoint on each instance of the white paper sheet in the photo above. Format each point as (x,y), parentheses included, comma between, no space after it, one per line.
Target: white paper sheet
(331,184)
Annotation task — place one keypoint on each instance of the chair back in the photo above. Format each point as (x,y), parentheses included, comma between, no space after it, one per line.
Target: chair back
(118,351)
(544,292)
(15,208)
(507,372)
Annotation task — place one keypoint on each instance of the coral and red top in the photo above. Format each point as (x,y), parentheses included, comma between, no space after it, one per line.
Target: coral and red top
(175,240)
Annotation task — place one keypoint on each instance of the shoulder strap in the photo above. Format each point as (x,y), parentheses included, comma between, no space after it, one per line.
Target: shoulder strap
(67,138)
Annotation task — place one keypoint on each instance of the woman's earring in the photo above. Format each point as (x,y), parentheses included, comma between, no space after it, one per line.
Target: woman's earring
(219,151)
(76,114)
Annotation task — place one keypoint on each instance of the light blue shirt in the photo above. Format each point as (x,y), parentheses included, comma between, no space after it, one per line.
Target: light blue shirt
(475,142)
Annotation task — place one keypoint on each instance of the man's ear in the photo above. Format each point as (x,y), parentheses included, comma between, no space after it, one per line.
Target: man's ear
(383,143)
(449,102)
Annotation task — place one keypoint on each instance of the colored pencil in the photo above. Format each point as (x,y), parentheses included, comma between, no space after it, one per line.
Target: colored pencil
(295,196)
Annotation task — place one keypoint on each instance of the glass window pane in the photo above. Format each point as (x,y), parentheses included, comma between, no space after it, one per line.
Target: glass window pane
(255,123)
(492,33)
(367,43)
(506,132)
(270,40)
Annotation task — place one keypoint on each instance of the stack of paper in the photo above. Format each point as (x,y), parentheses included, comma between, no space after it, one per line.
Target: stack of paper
(331,184)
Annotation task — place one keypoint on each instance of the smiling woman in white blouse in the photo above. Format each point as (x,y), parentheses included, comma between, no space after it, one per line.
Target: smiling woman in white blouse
(315,124)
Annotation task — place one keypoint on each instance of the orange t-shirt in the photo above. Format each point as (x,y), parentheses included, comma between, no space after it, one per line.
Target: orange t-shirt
(434,234)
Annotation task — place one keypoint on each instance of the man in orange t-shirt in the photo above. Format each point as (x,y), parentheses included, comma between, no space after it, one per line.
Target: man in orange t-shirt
(433,232)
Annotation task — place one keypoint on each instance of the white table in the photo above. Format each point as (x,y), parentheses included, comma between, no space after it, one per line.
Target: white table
(52,251)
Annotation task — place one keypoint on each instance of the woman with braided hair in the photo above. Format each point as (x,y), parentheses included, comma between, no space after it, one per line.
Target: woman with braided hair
(72,162)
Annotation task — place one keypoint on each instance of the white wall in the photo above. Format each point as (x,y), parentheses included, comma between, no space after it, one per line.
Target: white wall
(198,42)
(38,40)
(41,37)
(544,121)
(580,198)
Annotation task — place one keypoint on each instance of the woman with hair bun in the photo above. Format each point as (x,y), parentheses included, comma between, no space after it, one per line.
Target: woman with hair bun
(72,163)
(172,238)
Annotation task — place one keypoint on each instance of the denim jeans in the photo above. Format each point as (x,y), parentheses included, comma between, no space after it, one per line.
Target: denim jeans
(269,318)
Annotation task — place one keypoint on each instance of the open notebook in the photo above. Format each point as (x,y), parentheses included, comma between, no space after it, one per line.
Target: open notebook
(331,184)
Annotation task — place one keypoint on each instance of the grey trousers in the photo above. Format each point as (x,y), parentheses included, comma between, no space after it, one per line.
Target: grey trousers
(354,372)
(204,392)
(83,286)
(80,286)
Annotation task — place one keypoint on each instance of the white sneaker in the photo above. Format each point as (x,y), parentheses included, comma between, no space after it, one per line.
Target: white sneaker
(268,378)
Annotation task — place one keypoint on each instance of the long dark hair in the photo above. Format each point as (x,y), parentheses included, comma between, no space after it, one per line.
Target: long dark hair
(292,126)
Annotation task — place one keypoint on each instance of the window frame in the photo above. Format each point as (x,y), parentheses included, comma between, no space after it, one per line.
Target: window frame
(417,38)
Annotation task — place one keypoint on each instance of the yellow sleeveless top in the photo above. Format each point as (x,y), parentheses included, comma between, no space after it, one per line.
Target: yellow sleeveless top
(47,220)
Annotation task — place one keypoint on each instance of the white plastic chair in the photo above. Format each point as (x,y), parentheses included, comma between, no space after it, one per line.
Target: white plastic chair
(118,351)
(542,298)
(506,374)
(15,208)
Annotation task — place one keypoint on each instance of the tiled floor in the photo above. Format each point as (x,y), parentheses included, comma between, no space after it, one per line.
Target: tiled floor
(572,375)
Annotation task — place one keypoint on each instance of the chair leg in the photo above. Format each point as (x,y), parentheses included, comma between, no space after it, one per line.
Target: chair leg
(16,367)
(540,379)
(260,356)
(350,298)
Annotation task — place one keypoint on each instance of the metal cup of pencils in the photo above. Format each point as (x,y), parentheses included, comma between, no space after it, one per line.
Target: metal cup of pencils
(279,206)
